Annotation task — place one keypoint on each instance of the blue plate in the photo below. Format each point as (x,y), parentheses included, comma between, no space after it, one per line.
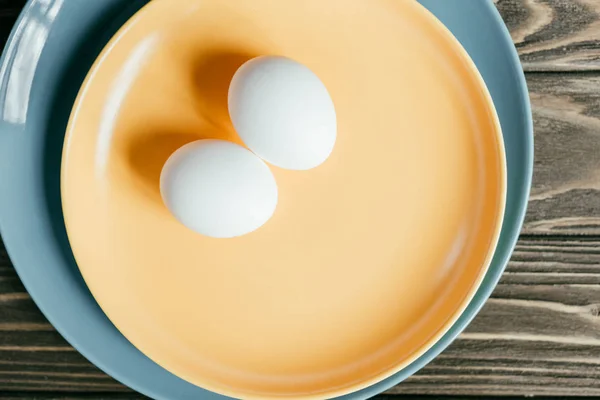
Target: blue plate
(50,51)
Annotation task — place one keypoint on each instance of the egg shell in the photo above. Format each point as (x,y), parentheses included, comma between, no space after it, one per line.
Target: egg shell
(218,188)
(283,112)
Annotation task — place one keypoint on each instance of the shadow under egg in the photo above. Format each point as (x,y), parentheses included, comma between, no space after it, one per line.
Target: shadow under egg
(211,73)
(147,156)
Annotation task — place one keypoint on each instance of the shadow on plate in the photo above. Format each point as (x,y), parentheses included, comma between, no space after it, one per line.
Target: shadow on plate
(210,77)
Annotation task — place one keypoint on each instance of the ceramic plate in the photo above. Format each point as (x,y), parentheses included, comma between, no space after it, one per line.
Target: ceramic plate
(65,37)
(368,259)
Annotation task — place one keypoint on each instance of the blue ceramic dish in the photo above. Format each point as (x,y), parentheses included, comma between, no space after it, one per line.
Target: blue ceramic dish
(44,63)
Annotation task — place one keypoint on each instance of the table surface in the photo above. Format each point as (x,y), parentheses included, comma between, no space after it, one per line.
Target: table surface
(539,334)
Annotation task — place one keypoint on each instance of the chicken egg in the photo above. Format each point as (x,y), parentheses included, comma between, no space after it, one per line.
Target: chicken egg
(218,188)
(283,112)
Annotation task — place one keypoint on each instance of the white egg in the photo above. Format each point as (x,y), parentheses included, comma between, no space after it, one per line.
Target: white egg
(218,188)
(283,112)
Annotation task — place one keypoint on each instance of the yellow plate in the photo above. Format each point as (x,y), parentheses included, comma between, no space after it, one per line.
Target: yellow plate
(368,259)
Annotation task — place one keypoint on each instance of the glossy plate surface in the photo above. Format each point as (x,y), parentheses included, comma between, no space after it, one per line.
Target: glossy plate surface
(55,42)
(368,259)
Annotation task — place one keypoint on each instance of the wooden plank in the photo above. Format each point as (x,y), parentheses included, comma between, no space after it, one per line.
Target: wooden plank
(538,335)
(554,35)
(565,197)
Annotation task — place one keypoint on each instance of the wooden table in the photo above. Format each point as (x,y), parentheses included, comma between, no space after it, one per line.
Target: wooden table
(539,334)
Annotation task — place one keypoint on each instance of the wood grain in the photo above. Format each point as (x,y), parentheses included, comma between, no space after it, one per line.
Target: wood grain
(565,197)
(554,35)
